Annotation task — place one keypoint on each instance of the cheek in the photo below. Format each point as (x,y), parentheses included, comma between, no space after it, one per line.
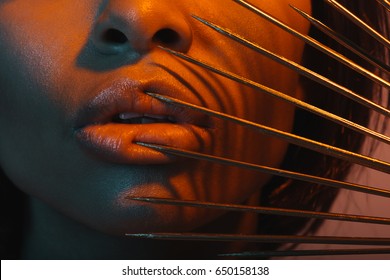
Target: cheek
(248,144)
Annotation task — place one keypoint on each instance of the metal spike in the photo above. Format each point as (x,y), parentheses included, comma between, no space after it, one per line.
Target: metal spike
(314,43)
(344,41)
(290,99)
(265,238)
(289,137)
(298,68)
(265,210)
(385,4)
(329,252)
(356,20)
(269,170)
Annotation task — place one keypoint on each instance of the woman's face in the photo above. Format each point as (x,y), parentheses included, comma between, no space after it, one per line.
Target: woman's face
(72,81)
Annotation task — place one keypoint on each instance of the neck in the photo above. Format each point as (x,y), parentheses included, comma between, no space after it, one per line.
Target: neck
(51,235)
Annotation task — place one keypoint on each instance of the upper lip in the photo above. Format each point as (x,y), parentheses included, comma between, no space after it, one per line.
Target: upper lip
(124,96)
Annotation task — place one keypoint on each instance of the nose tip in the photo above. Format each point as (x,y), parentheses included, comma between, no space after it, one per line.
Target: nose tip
(139,30)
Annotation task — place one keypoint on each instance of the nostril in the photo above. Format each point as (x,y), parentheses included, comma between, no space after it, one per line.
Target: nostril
(166,37)
(114,36)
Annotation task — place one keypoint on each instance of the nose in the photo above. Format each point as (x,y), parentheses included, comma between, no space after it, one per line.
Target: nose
(140,25)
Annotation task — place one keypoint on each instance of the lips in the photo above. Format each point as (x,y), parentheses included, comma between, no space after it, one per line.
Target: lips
(122,114)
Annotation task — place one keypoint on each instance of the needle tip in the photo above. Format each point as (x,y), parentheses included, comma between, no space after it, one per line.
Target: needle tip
(168,50)
(135,198)
(200,19)
(139,235)
(159,97)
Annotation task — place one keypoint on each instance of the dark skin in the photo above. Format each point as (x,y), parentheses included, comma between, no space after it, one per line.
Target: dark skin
(64,77)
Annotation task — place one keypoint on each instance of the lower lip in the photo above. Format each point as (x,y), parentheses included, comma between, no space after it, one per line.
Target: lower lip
(115,142)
